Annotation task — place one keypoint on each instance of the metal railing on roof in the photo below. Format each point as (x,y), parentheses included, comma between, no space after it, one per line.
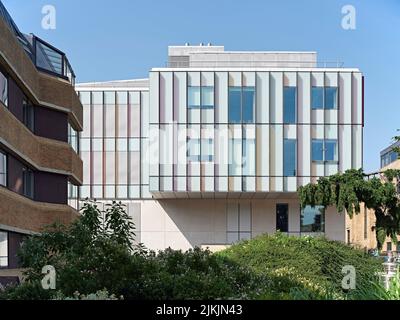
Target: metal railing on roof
(51,60)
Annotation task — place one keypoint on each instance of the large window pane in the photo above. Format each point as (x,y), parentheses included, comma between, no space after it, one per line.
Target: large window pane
(312,219)
(248,104)
(28,182)
(235,97)
(318,150)
(28,114)
(3,89)
(289,157)
(194,97)
(3,249)
(330,98)
(317,97)
(207,97)
(289,105)
(330,150)
(3,169)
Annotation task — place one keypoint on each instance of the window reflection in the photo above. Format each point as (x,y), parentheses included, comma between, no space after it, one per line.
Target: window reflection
(289,104)
(312,219)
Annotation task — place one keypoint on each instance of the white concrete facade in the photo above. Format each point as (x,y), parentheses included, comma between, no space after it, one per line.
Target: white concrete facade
(208,154)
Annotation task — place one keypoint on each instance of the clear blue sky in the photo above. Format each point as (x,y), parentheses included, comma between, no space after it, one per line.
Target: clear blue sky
(123,39)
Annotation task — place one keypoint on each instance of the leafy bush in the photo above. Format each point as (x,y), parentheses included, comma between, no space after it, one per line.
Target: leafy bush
(96,258)
(195,274)
(310,265)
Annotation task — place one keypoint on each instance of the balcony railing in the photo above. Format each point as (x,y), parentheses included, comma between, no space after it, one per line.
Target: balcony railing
(51,60)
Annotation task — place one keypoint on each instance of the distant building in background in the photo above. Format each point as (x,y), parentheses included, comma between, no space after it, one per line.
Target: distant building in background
(388,155)
(40,117)
(212,148)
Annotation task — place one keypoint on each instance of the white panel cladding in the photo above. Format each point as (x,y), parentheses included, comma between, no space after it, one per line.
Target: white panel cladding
(357,146)
(193,168)
(331,79)
(331,116)
(235,157)
(235,79)
(345,98)
(207,79)
(262,150)
(249,79)
(245,216)
(86,121)
(180,92)
(290,79)
(207,149)
(317,79)
(290,184)
(154,157)
(304,153)
(154,97)
(345,147)
(249,161)
(194,79)
(181,161)
(145,161)
(290,131)
(276,157)
(317,131)
(304,97)
(276,97)
(145,114)
(166,97)
(357,99)
(317,169)
(331,132)
(317,116)
(166,156)
(221,97)
(221,147)
(194,115)
(331,168)
(262,98)
(232,215)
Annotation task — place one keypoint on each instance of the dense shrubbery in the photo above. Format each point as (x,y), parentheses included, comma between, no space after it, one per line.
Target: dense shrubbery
(95,259)
(312,266)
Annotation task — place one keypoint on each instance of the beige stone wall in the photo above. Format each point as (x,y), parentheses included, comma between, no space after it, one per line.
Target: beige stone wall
(44,90)
(44,154)
(20,212)
(362,226)
(183,224)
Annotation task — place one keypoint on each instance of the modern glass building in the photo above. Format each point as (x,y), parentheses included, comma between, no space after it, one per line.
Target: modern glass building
(212,148)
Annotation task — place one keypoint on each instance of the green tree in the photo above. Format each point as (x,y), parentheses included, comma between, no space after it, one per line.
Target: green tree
(346,191)
(90,255)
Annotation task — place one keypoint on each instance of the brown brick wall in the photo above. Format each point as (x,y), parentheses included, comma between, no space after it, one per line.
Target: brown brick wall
(43,89)
(23,213)
(42,153)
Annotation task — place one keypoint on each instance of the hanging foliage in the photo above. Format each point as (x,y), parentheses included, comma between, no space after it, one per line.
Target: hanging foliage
(346,191)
